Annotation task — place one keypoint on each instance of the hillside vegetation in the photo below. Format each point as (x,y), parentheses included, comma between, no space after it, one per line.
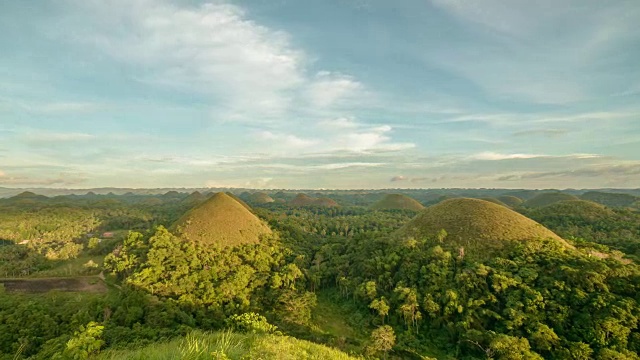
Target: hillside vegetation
(611,199)
(549,198)
(465,279)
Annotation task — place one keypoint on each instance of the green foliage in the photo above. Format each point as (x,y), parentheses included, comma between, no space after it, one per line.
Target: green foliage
(251,323)
(331,275)
(382,339)
(85,342)
(546,199)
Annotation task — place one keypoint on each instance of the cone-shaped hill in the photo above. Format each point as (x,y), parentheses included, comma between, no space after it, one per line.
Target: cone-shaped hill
(302,200)
(510,201)
(397,202)
(548,198)
(27,198)
(194,198)
(260,198)
(477,225)
(325,202)
(221,221)
(236,198)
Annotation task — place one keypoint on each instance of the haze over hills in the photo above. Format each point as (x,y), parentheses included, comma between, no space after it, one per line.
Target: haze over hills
(221,221)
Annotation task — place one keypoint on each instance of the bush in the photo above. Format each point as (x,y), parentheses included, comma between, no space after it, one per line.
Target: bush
(251,323)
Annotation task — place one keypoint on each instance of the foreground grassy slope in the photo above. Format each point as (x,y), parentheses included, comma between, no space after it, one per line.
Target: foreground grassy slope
(397,202)
(229,345)
(221,221)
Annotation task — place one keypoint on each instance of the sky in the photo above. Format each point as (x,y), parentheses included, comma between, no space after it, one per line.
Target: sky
(334,94)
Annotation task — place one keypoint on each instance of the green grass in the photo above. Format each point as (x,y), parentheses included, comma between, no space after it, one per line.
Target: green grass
(72,267)
(229,345)
(341,320)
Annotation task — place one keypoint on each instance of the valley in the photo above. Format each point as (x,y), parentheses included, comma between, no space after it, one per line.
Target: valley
(231,275)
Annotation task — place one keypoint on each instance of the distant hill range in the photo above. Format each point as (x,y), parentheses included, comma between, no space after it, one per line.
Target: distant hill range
(306,200)
(358,197)
(548,198)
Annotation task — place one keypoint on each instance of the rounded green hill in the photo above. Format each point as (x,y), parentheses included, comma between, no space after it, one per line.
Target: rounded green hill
(397,202)
(548,198)
(510,201)
(221,221)
(578,209)
(474,224)
(614,200)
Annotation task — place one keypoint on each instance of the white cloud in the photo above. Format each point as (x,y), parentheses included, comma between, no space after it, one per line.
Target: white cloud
(340,123)
(67,107)
(251,72)
(212,48)
(493,156)
(287,141)
(329,89)
(49,137)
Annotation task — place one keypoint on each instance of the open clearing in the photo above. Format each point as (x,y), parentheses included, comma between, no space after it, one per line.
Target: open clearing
(76,284)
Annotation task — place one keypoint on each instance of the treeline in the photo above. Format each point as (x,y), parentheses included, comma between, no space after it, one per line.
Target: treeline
(538,301)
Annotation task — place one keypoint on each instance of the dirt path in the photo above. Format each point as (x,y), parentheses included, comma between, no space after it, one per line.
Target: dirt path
(41,285)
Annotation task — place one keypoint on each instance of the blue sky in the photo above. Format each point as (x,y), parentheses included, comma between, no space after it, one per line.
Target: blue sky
(320,94)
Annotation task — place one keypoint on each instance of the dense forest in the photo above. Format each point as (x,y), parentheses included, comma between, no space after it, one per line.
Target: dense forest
(369,278)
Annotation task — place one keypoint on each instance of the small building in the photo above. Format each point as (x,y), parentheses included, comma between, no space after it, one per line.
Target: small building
(108,235)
